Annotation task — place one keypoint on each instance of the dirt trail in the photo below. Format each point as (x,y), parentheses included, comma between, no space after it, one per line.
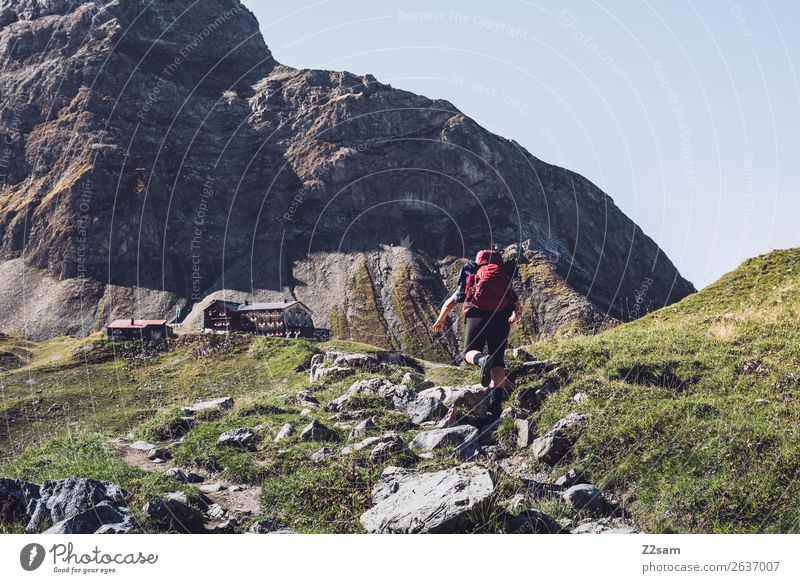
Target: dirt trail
(238,503)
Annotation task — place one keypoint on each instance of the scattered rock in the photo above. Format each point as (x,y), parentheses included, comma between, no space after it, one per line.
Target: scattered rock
(177,473)
(62,499)
(363,362)
(606,526)
(425,409)
(389,445)
(321,454)
(416,381)
(215,511)
(175,513)
(243,438)
(211,488)
(270,526)
(105,518)
(448,437)
(762,401)
(586,497)
(550,449)
(218,404)
(331,372)
(397,396)
(533,522)
(470,402)
(316,431)
(360,429)
(580,397)
(570,479)
(523,431)
(142,445)
(237,487)
(445,501)
(159,453)
(306,399)
(284,432)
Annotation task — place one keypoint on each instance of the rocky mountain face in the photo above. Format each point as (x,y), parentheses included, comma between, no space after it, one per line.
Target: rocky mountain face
(156,154)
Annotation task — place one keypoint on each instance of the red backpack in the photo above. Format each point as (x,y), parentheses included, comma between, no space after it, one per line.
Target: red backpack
(487,289)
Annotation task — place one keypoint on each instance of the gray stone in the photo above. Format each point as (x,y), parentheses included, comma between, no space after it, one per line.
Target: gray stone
(111,519)
(142,445)
(569,479)
(215,511)
(396,396)
(316,431)
(284,432)
(243,438)
(62,499)
(321,454)
(360,429)
(174,513)
(362,362)
(18,500)
(160,453)
(533,522)
(570,422)
(270,526)
(211,488)
(550,449)
(580,397)
(523,432)
(470,402)
(217,404)
(438,502)
(606,526)
(417,382)
(388,446)
(586,497)
(448,437)
(331,372)
(425,409)
(363,444)
(177,473)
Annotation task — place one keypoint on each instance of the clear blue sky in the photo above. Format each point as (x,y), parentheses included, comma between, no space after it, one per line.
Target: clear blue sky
(686,113)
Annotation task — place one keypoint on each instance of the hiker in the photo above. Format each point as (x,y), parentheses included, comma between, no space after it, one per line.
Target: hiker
(490,308)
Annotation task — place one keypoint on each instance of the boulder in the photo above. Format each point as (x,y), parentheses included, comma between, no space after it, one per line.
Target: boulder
(316,431)
(550,449)
(215,511)
(533,522)
(570,479)
(447,501)
(523,432)
(586,497)
(18,500)
(177,473)
(569,423)
(105,518)
(244,438)
(159,453)
(416,381)
(448,437)
(321,454)
(363,444)
(425,409)
(211,488)
(580,397)
(470,402)
(217,404)
(388,446)
(396,396)
(331,372)
(62,499)
(142,445)
(284,432)
(174,513)
(363,362)
(362,428)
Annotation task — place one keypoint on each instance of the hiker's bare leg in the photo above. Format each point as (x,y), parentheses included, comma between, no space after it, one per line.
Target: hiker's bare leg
(498,377)
(471,355)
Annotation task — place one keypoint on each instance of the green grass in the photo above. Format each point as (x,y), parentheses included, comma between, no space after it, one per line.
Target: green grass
(678,429)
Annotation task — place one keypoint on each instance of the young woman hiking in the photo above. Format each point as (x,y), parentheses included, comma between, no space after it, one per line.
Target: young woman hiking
(490,308)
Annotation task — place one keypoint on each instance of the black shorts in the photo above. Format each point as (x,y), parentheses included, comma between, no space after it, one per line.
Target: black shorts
(487,328)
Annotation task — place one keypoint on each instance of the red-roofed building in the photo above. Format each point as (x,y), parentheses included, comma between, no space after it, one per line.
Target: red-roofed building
(138,329)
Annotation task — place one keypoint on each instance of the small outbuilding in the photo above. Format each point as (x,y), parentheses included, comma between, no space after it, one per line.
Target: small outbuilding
(133,329)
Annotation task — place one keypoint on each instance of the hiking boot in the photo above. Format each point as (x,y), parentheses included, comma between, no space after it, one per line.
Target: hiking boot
(486,370)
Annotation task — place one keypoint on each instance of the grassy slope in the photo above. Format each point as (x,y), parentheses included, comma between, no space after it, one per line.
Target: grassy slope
(695,408)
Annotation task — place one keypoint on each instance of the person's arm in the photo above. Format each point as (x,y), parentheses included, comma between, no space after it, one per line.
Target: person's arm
(447,307)
(515,314)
